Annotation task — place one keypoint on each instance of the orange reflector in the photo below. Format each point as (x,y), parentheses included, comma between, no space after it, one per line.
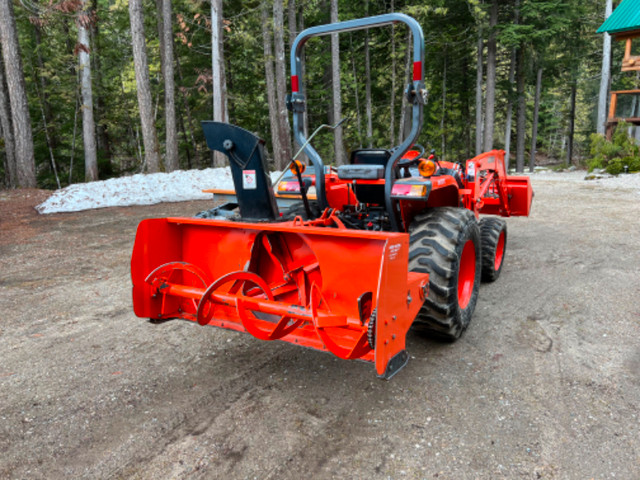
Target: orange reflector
(426,168)
(301,166)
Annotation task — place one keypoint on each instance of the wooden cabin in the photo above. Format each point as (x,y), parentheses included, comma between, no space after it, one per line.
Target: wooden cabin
(624,26)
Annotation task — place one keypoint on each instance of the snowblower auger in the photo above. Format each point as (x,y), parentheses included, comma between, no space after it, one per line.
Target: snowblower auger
(344,291)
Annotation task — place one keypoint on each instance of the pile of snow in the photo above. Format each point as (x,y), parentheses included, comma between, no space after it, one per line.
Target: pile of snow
(140,189)
(185,185)
(624,180)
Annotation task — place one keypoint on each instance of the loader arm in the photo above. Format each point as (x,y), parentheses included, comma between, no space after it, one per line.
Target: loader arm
(491,191)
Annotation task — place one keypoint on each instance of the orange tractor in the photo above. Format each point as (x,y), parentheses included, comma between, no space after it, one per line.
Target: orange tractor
(341,259)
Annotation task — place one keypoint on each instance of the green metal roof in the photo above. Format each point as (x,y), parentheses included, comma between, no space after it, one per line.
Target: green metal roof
(625,17)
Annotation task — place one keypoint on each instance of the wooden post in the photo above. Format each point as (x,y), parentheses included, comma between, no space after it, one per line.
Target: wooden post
(612,106)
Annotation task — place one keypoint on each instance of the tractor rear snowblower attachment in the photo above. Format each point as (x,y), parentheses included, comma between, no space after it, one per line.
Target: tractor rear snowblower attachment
(312,283)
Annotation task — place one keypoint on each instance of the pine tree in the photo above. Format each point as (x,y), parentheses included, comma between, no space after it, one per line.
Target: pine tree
(22,134)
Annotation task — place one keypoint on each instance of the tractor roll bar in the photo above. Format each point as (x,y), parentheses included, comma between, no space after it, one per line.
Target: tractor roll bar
(415,91)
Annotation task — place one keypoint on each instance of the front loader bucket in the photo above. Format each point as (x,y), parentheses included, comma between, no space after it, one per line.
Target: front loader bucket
(344,291)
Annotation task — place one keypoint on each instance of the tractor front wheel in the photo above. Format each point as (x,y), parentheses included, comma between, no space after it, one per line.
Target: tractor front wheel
(493,232)
(445,243)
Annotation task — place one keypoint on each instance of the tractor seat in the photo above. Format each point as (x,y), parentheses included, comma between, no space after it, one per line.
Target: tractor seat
(366,164)
(370,156)
(360,172)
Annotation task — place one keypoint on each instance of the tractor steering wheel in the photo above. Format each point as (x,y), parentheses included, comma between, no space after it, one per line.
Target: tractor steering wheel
(407,162)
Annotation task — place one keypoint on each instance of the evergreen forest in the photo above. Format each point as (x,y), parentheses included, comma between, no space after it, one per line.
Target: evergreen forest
(115,87)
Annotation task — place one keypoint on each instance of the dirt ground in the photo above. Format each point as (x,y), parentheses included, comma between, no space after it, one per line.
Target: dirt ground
(544,384)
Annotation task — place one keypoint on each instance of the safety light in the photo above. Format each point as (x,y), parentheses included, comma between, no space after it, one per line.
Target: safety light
(405,190)
(289,187)
(301,166)
(426,168)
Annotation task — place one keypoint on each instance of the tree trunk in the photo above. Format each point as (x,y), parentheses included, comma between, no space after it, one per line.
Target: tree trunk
(217,73)
(367,92)
(490,99)
(88,124)
(22,134)
(99,111)
(270,79)
(45,107)
(73,138)
(405,103)
(536,111)
(133,138)
(186,141)
(291,20)
(338,146)
(392,106)
(633,113)
(603,95)
(466,104)
(521,121)
(479,68)
(160,26)
(6,181)
(512,69)
(187,111)
(7,132)
(367,80)
(572,118)
(52,160)
(356,93)
(41,82)
(507,128)
(443,151)
(171,161)
(284,128)
(149,135)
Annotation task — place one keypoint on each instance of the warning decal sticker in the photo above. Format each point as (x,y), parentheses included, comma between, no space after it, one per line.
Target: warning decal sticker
(249,179)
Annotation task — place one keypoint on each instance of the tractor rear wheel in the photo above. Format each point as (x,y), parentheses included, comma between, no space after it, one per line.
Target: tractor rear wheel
(493,232)
(297,210)
(445,243)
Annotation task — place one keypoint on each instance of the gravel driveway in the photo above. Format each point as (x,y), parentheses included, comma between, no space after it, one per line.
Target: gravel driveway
(544,384)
